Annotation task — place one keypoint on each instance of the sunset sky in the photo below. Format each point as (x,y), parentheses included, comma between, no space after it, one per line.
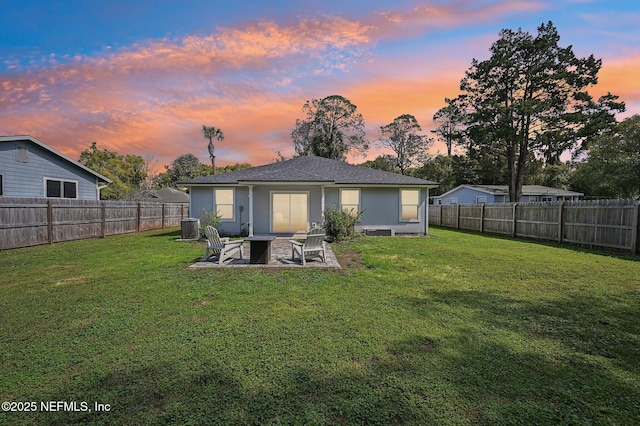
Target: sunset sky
(143,76)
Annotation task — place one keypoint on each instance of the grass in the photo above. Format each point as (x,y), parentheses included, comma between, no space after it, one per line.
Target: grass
(453,329)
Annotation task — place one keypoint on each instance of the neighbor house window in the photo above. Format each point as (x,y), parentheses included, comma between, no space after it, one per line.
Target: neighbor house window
(21,154)
(481,199)
(453,200)
(350,201)
(409,202)
(224,203)
(61,188)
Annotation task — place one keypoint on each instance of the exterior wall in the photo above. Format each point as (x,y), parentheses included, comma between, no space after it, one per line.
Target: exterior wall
(381,207)
(26,179)
(203,201)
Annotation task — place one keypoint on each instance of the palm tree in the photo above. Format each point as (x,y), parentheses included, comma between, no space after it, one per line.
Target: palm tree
(210,133)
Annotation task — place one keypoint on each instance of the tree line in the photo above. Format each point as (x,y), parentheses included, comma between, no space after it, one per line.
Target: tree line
(519,114)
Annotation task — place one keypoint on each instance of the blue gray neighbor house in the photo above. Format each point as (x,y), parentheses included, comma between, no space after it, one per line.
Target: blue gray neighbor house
(290,196)
(479,194)
(32,169)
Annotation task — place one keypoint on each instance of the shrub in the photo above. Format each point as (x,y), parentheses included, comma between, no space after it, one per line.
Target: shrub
(338,224)
(209,218)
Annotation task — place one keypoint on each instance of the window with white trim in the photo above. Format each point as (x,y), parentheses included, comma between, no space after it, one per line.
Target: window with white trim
(409,203)
(350,201)
(58,188)
(453,200)
(224,201)
(481,199)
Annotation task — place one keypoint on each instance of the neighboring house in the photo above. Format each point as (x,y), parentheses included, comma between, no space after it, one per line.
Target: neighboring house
(477,194)
(164,195)
(32,169)
(290,196)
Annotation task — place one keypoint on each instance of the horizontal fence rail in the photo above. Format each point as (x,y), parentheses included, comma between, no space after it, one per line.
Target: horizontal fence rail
(28,222)
(605,224)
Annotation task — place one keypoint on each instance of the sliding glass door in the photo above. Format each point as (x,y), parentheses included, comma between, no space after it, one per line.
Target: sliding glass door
(289,211)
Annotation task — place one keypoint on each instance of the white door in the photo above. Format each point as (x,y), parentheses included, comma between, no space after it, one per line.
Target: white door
(289,211)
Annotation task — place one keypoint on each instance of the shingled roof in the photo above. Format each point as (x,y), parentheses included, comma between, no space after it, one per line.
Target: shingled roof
(310,169)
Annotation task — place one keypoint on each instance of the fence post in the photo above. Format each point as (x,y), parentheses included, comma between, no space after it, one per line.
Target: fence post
(560,221)
(457,216)
(482,218)
(181,211)
(50,221)
(163,207)
(634,230)
(103,225)
(513,233)
(139,218)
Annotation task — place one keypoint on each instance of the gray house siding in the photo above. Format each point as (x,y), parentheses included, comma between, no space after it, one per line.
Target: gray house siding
(380,207)
(27,178)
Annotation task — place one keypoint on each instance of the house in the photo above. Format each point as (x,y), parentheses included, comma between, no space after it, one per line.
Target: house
(476,194)
(290,196)
(32,169)
(164,195)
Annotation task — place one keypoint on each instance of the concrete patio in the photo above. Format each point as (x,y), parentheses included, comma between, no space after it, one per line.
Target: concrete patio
(280,257)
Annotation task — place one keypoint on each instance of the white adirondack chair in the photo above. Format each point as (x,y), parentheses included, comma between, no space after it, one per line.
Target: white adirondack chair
(221,247)
(313,246)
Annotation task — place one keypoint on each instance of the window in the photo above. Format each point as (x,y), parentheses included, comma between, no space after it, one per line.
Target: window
(350,201)
(547,199)
(21,154)
(481,199)
(224,203)
(453,200)
(61,188)
(409,202)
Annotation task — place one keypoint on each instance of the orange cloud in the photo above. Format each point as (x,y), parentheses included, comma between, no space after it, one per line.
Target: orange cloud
(152,98)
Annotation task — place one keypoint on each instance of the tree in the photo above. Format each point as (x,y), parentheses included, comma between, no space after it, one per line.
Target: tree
(126,173)
(450,121)
(183,168)
(211,133)
(612,167)
(402,137)
(331,129)
(383,162)
(530,98)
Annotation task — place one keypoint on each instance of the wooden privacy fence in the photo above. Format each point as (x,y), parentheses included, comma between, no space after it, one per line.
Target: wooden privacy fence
(607,224)
(32,221)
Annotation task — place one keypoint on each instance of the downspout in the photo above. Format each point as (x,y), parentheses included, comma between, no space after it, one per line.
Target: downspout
(426,214)
(98,188)
(251,210)
(322,205)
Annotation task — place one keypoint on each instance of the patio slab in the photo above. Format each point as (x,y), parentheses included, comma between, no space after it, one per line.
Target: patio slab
(280,257)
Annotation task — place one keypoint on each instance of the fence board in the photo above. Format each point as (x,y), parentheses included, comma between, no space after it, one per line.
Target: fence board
(610,224)
(27,222)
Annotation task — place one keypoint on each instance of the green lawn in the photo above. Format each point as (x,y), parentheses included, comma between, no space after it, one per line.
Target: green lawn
(453,329)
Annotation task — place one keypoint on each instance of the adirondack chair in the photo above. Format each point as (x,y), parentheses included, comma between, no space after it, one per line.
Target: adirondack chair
(221,247)
(312,246)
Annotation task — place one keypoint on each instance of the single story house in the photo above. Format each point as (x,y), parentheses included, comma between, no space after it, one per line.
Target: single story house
(290,196)
(477,194)
(32,169)
(164,195)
